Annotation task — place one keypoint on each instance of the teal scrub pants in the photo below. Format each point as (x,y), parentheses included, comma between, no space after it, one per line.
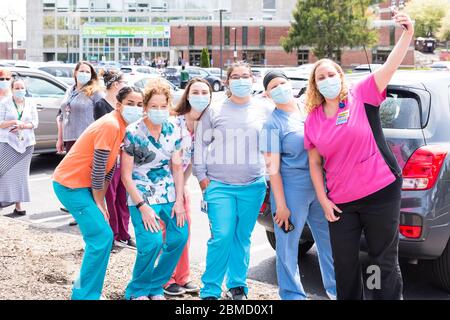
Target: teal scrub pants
(97,235)
(232,212)
(148,279)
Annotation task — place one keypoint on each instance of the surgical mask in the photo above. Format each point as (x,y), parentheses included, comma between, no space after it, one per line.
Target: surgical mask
(4,84)
(158,116)
(83,78)
(199,103)
(330,87)
(282,94)
(241,88)
(19,94)
(131,113)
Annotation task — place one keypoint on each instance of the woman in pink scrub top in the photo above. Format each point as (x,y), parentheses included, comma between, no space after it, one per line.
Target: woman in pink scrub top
(344,139)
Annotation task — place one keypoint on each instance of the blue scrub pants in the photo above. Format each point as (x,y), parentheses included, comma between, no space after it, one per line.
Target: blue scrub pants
(232,212)
(305,207)
(97,235)
(148,279)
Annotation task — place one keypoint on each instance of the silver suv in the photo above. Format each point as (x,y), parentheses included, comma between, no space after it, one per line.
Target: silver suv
(46,92)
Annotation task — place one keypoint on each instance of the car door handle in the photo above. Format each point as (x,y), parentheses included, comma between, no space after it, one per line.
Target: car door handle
(39,107)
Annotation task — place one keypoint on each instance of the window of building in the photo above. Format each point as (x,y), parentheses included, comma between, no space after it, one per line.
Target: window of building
(227,36)
(380,56)
(191,36)
(269,5)
(61,23)
(62,41)
(303,57)
(245,36)
(49,41)
(209,36)
(392,36)
(49,22)
(49,5)
(262,36)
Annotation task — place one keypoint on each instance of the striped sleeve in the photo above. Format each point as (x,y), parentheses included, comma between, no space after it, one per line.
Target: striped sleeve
(110,174)
(99,168)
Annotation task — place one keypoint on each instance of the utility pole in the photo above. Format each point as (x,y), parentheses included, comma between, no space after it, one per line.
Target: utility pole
(221,11)
(12,38)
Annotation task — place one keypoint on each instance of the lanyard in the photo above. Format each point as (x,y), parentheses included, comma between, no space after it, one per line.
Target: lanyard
(19,114)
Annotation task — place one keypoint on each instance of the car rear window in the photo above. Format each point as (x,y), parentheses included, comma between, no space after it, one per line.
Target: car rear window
(404,109)
(126,70)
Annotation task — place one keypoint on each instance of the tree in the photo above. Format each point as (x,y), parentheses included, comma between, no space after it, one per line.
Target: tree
(444,31)
(204,60)
(328,26)
(428,15)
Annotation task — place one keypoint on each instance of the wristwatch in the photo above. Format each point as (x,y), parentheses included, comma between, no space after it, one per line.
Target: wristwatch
(140,204)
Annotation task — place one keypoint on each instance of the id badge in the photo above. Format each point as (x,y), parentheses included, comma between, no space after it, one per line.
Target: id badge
(204,206)
(343,117)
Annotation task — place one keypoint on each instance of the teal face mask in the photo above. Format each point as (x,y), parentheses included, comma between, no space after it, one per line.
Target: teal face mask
(158,117)
(199,103)
(241,88)
(282,94)
(331,87)
(131,114)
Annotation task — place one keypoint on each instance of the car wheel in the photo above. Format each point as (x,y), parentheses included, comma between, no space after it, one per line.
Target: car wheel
(441,269)
(216,86)
(303,246)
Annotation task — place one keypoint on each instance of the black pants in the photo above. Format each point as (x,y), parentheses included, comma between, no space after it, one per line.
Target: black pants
(378,216)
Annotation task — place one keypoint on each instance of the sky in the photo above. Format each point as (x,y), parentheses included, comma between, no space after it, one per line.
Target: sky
(16,10)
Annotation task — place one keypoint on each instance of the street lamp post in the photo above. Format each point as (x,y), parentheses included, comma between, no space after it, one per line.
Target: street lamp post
(12,38)
(235,50)
(221,11)
(67,49)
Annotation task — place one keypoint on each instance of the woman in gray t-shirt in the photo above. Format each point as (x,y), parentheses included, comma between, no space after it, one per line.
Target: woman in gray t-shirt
(77,107)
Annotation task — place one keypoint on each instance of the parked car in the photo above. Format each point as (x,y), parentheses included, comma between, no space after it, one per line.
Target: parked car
(367,67)
(142,80)
(107,65)
(173,74)
(138,70)
(441,66)
(216,72)
(63,72)
(46,92)
(415,119)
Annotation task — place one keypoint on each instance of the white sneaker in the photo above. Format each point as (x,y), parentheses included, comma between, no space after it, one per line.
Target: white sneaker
(331,296)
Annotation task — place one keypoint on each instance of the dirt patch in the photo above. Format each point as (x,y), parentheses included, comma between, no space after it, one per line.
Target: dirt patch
(40,265)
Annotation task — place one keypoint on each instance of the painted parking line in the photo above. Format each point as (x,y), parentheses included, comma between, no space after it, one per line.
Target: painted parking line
(59,217)
(39,178)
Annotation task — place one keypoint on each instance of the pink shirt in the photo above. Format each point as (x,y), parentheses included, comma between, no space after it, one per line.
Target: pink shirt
(354,165)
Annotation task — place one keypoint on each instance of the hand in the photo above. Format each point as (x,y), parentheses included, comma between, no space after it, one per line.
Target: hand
(404,20)
(59,146)
(149,218)
(329,208)
(204,183)
(179,210)
(104,211)
(282,217)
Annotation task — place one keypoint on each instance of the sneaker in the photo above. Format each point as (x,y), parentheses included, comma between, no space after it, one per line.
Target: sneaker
(331,296)
(174,290)
(130,244)
(19,212)
(191,287)
(236,294)
(142,298)
(210,298)
(158,297)
(73,222)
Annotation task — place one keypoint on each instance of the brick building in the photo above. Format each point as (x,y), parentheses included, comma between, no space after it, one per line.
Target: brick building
(5,51)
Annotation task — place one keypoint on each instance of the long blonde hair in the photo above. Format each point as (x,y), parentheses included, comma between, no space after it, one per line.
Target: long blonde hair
(314,98)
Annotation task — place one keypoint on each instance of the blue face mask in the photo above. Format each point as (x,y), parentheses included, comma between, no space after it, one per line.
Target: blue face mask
(83,78)
(241,88)
(131,113)
(199,103)
(19,94)
(158,116)
(331,87)
(4,84)
(282,94)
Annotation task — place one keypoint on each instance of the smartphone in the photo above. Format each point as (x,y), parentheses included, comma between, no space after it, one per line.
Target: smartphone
(14,127)
(283,227)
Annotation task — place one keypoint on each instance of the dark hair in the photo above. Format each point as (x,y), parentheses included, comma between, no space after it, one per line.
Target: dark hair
(111,76)
(92,86)
(183,105)
(125,91)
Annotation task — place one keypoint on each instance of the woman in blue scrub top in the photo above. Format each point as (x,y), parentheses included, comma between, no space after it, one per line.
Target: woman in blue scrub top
(293,198)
